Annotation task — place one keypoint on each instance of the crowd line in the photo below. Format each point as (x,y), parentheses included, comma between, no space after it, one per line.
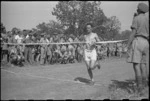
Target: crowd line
(21,55)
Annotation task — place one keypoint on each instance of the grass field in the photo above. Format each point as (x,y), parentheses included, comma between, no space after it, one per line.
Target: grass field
(112,81)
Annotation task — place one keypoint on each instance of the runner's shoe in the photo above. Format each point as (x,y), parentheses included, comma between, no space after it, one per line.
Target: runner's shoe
(98,66)
(91,82)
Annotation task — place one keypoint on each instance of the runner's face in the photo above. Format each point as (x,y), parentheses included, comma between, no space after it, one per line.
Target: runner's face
(89,28)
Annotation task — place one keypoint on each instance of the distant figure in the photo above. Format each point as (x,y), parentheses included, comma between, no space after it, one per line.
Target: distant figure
(43,48)
(28,50)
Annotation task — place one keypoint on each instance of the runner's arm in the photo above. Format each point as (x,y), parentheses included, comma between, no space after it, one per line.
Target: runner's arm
(97,38)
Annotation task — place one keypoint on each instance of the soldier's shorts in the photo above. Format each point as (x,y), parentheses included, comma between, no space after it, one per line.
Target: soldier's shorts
(90,55)
(137,53)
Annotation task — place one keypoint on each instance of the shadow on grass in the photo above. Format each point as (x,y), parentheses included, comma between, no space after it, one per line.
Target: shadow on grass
(127,85)
(82,80)
(126,89)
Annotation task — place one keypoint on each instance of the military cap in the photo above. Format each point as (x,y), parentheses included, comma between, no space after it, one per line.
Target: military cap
(143,7)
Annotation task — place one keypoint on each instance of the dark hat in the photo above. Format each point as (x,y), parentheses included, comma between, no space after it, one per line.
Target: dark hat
(143,7)
(30,34)
(89,23)
(48,35)
(55,33)
(42,34)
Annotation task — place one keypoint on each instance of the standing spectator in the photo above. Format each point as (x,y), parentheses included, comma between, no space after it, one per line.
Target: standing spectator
(19,39)
(43,49)
(4,48)
(49,52)
(12,48)
(28,50)
(33,48)
(9,46)
(108,50)
(138,45)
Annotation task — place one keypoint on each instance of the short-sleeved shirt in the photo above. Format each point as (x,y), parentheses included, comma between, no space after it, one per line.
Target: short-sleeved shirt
(140,25)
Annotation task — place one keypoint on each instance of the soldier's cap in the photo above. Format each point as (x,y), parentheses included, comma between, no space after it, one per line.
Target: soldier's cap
(143,7)
(89,23)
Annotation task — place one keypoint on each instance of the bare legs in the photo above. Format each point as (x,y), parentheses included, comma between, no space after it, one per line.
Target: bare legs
(91,65)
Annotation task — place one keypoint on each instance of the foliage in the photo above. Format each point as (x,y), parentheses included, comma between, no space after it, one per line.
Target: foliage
(72,17)
(50,28)
(75,14)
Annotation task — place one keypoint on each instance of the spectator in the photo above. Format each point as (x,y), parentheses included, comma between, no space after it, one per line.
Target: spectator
(138,45)
(43,48)
(4,48)
(28,50)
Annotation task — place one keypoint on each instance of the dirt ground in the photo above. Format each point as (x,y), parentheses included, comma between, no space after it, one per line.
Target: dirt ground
(58,81)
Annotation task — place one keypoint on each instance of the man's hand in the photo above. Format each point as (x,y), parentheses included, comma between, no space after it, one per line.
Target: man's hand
(92,43)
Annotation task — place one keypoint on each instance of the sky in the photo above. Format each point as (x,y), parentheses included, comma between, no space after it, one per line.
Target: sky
(27,15)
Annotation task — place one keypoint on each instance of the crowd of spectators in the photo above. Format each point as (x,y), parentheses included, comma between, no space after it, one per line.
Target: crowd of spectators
(23,54)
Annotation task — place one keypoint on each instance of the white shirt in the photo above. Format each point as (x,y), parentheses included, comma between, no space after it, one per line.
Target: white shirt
(27,36)
(18,38)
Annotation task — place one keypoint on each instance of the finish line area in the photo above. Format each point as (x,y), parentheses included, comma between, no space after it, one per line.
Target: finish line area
(58,81)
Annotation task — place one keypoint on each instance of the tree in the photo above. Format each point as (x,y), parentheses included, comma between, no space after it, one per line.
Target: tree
(42,27)
(112,27)
(123,35)
(50,28)
(126,34)
(55,27)
(75,14)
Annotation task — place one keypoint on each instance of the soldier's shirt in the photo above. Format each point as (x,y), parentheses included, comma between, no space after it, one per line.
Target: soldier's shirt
(140,25)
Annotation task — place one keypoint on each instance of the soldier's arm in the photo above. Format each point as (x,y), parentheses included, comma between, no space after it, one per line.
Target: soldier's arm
(131,38)
(133,27)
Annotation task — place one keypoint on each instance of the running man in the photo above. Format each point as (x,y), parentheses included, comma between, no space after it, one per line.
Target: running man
(90,54)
